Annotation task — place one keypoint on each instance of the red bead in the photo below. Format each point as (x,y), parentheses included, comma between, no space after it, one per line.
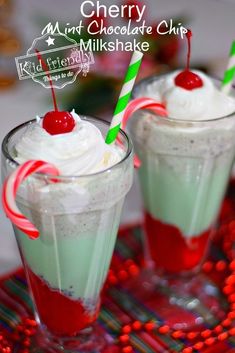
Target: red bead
(207,266)
(137,325)
(218,329)
(188,80)
(56,122)
(149,326)
(124,338)
(230,280)
(31,322)
(232,331)
(209,341)
(223,336)
(206,333)
(28,332)
(232,265)
(127,349)
(6,350)
(221,265)
(164,329)
(192,335)
(226,322)
(231,298)
(26,342)
(231,315)
(122,275)
(112,279)
(134,270)
(178,334)
(126,329)
(228,290)
(198,345)
(187,350)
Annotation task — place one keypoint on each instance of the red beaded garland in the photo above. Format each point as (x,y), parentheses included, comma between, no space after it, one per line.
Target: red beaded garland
(219,332)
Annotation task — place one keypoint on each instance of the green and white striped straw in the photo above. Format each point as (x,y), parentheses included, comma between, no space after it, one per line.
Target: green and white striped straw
(230,71)
(124,97)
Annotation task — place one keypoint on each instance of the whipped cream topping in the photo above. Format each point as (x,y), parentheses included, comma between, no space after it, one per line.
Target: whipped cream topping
(204,103)
(80,152)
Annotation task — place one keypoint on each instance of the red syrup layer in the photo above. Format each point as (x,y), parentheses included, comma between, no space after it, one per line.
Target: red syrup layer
(170,250)
(62,316)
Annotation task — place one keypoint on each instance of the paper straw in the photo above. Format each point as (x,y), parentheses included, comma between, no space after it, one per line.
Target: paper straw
(124,97)
(229,73)
(10,187)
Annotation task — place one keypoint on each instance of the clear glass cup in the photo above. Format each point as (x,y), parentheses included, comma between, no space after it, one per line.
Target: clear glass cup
(78,219)
(185,168)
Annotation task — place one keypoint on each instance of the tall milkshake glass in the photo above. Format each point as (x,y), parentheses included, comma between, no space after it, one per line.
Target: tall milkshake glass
(78,219)
(185,167)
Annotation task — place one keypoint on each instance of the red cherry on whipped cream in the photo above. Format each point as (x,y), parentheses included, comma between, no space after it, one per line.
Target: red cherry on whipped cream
(187,79)
(56,122)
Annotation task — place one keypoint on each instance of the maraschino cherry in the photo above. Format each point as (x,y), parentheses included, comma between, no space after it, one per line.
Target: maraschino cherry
(188,79)
(55,122)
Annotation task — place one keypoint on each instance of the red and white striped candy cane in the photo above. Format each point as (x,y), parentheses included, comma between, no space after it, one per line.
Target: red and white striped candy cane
(10,188)
(142,103)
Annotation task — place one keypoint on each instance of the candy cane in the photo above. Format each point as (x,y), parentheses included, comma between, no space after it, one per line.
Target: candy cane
(10,187)
(142,103)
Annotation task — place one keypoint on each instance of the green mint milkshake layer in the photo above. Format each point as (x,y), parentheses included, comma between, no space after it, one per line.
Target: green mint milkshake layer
(77,217)
(186,158)
(74,251)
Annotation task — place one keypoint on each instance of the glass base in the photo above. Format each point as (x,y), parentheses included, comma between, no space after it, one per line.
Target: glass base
(180,302)
(90,340)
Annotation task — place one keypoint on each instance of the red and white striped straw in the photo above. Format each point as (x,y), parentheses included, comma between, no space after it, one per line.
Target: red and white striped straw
(10,187)
(138,104)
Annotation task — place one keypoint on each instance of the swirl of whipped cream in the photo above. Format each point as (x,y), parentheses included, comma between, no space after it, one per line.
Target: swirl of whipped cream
(206,102)
(80,152)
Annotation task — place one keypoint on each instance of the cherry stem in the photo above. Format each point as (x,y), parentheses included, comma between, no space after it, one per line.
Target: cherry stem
(188,36)
(46,69)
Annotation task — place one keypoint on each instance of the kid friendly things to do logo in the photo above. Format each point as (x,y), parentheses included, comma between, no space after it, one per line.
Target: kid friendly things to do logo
(64,58)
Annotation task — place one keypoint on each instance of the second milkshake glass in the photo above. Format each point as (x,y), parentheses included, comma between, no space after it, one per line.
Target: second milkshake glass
(185,168)
(78,219)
